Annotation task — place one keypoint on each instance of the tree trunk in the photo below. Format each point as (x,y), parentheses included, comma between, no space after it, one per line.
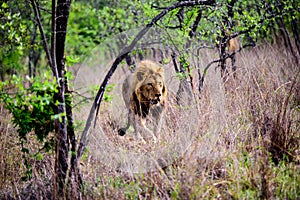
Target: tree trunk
(63,126)
(62,143)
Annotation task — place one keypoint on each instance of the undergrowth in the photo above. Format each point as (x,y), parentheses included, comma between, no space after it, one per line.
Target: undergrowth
(256,154)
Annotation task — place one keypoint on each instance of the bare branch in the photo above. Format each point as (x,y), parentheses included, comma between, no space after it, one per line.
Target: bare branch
(218,60)
(53,40)
(45,43)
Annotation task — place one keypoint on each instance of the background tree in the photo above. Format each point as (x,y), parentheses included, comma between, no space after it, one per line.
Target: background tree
(34,40)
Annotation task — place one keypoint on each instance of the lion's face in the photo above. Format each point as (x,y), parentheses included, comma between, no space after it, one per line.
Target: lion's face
(151,89)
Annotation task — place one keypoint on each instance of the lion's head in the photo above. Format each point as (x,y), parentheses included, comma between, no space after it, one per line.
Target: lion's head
(152,89)
(150,84)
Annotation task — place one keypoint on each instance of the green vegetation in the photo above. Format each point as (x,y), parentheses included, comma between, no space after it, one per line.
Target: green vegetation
(256,155)
(32,110)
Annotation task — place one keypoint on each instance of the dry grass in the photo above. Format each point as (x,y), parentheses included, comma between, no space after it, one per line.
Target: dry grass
(246,145)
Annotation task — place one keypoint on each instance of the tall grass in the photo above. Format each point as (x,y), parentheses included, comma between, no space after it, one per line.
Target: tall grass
(246,146)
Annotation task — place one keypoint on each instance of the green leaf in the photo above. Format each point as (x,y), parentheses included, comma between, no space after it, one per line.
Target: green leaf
(39,156)
(4,5)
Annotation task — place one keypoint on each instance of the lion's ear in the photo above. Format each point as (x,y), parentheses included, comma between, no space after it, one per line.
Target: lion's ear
(164,91)
(140,75)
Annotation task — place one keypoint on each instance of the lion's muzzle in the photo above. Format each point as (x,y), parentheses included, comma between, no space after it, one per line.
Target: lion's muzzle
(156,100)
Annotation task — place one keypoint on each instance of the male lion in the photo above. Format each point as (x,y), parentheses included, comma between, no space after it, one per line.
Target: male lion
(145,94)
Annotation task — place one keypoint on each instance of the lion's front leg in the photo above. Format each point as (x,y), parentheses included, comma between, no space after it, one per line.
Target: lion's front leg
(147,131)
(158,115)
(141,130)
(136,126)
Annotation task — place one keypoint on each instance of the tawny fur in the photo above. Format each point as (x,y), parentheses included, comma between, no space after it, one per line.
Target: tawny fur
(233,45)
(145,93)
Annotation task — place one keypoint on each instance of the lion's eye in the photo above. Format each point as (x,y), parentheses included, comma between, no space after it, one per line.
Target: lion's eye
(150,84)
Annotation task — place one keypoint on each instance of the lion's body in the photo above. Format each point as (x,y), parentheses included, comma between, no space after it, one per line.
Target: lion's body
(145,93)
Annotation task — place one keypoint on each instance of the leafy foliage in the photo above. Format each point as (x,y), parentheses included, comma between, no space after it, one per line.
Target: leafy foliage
(32,110)
(89,26)
(13,39)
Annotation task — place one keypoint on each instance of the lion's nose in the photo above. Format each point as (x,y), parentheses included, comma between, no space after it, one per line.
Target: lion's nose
(157,95)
